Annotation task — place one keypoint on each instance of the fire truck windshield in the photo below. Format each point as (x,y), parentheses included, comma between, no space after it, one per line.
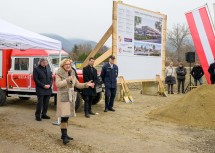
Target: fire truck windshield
(55,59)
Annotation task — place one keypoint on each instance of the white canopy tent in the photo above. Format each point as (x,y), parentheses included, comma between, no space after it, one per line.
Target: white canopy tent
(14,37)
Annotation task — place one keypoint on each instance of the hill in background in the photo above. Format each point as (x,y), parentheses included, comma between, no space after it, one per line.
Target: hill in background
(68,44)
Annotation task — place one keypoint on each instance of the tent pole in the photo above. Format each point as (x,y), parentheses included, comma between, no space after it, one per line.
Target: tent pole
(59,57)
(59,118)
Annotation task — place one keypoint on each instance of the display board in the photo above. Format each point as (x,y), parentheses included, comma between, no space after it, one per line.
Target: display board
(140,38)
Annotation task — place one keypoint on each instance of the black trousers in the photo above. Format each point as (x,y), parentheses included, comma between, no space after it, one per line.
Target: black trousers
(110,94)
(181,84)
(88,104)
(212,79)
(42,105)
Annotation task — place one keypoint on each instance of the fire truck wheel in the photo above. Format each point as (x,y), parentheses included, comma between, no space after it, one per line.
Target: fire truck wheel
(78,102)
(2,97)
(24,98)
(97,98)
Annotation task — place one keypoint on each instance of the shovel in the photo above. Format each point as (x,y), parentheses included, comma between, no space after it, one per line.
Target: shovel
(127,90)
(161,87)
(125,97)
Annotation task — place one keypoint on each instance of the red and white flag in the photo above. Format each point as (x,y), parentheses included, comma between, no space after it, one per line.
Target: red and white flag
(201,29)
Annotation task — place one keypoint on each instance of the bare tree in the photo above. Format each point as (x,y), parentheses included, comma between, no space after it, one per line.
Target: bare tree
(177,38)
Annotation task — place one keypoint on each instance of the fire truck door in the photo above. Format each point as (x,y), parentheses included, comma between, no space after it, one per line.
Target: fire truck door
(19,78)
(35,64)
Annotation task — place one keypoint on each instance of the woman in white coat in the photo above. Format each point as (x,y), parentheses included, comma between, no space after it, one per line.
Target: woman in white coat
(66,97)
(170,77)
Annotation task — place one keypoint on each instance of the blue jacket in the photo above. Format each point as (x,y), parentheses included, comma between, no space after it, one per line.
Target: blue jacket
(109,75)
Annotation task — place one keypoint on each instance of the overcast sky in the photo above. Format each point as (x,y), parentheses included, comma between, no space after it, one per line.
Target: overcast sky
(88,19)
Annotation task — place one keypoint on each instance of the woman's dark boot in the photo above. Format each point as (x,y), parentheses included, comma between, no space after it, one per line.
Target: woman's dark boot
(68,137)
(63,127)
(64,136)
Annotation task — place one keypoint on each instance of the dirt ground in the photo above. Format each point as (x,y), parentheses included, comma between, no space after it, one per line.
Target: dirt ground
(128,130)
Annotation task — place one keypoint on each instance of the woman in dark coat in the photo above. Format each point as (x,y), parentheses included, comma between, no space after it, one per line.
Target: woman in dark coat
(181,73)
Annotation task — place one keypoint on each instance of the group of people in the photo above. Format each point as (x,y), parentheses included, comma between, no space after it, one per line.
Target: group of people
(66,82)
(196,72)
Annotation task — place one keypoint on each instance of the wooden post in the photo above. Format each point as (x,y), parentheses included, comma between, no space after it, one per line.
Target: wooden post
(114,26)
(164,47)
(98,46)
(103,57)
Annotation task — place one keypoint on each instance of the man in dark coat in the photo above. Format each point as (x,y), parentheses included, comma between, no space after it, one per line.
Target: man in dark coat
(43,80)
(211,70)
(109,76)
(89,74)
(197,73)
(181,73)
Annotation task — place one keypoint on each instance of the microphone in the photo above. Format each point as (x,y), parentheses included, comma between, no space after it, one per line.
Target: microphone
(70,74)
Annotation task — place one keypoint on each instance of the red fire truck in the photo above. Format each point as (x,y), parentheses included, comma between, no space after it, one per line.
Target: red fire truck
(16,74)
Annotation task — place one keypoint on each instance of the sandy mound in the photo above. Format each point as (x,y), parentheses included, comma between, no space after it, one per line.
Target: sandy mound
(197,108)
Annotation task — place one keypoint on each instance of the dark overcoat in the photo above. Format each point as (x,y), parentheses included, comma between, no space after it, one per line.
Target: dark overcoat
(181,73)
(197,72)
(42,76)
(211,70)
(89,73)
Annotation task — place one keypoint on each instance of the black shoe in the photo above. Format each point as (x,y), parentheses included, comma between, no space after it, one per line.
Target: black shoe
(91,113)
(64,136)
(87,115)
(111,109)
(106,110)
(38,119)
(45,117)
(68,137)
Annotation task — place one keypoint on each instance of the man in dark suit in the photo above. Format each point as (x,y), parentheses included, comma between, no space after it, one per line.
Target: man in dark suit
(211,70)
(43,80)
(109,76)
(89,74)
